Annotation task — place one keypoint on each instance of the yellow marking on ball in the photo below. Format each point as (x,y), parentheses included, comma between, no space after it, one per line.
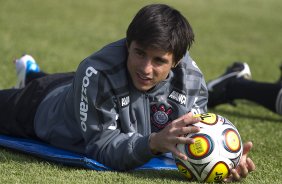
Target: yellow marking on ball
(200,147)
(184,171)
(218,173)
(207,118)
(232,140)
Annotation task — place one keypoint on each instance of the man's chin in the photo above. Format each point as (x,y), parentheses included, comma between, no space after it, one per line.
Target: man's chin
(143,88)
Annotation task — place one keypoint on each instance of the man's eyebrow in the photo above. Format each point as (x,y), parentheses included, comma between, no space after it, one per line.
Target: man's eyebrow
(139,49)
(162,59)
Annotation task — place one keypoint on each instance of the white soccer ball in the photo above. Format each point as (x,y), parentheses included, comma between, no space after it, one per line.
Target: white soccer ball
(216,150)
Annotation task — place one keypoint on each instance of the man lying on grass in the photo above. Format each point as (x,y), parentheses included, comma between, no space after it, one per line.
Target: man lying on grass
(126,104)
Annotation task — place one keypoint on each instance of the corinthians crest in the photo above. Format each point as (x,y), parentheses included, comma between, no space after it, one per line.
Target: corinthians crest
(160,114)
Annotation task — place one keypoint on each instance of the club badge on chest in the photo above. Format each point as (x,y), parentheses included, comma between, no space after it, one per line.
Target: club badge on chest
(160,114)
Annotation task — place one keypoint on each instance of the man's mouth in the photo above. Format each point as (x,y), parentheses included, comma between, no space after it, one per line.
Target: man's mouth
(143,78)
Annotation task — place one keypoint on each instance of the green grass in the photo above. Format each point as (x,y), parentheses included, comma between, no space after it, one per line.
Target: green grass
(59,34)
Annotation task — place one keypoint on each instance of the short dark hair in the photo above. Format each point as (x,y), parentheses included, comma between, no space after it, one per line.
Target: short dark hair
(162,27)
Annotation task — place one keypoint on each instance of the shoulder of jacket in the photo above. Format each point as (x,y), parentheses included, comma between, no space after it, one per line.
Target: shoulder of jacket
(189,65)
(111,55)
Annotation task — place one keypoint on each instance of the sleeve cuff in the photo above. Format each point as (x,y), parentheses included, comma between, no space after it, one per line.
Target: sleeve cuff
(142,150)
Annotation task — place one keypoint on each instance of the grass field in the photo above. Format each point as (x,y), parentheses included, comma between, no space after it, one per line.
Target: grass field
(59,34)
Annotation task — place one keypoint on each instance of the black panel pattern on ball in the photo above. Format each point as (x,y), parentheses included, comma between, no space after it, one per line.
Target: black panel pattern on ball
(227,122)
(201,148)
(236,160)
(199,167)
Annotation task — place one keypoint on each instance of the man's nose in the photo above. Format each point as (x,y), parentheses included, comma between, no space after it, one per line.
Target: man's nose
(147,66)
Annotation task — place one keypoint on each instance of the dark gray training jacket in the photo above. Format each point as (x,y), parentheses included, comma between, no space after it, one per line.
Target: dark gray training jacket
(100,113)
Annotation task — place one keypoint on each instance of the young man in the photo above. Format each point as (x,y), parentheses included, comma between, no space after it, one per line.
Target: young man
(125,104)
(235,84)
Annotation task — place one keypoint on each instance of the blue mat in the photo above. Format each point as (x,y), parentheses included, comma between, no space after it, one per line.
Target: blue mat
(50,153)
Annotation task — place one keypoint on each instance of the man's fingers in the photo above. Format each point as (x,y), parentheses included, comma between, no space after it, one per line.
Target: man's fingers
(235,175)
(247,147)
(251,165)
(186,130)
(178,154)
(244,171)
(186,120)
(241,171)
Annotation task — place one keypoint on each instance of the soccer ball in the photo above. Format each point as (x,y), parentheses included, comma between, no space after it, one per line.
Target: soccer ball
(217,148)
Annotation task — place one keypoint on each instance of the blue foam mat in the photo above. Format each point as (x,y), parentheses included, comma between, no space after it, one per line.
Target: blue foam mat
(50,153)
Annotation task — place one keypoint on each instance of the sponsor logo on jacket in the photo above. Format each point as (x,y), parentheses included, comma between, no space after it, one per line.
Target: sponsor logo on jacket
(124,101)
(178,97)
(83,106)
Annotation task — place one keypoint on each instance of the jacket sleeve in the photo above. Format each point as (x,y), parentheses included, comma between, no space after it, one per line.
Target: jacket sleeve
(96,112)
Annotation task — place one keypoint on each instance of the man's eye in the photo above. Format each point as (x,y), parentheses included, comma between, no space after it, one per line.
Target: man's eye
(141,54)
(160,61)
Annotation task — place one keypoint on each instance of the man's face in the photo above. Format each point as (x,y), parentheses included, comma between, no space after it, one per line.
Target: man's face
(148,67)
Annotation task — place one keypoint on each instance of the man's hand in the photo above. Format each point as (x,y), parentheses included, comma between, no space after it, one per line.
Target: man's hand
(173,134)
(245,166)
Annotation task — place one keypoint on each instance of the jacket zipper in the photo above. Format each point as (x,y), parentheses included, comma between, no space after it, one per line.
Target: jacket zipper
(147,128)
